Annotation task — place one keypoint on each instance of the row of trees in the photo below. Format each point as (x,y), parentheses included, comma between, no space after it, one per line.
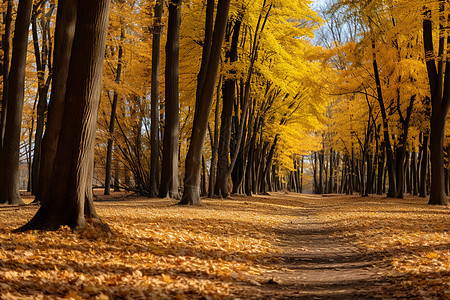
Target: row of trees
(267,85)
(253,62)
(385,106)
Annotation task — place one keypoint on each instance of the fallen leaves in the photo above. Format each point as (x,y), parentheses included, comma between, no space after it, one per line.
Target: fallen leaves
(157,251)
(162,251)
(407,233)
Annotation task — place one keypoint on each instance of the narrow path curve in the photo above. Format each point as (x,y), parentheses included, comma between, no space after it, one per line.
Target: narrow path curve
(314,263)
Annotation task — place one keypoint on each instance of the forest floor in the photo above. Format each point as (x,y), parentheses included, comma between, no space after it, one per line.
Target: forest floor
(282,246)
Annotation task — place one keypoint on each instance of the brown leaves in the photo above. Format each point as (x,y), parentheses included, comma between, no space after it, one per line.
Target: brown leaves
(411,236)
(157,251)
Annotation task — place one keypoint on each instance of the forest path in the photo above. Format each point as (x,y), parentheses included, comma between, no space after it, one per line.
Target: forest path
(315,263)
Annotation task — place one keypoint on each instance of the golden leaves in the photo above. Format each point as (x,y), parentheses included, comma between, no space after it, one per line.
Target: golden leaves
(409,235)
(158,251)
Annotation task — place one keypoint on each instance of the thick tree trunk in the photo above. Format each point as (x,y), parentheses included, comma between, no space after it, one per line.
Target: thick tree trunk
(112,120)
(191,193)
(64,33)
(9,157)
(437,195)
(169,169)
(6,42)
(439,82)
(72,173)
(154,129)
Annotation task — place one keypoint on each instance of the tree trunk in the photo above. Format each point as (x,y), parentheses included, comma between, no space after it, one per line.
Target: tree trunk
(116,176)
(9,157)
(369,182)
(112,120)
(64,34)
(439,82)
(321,163)
(437,195)
(408,177)
(362,175)
(380,170)
(269,163)
(203,179)
(423,167)
(169,169)
(42,61)
(70,201)
(392,192)
(229,91)
(331,172)
(225,138)
(191,193)
(301,177)
(212,170)
(414,174)
(6,42)
(314,166)
(154,129)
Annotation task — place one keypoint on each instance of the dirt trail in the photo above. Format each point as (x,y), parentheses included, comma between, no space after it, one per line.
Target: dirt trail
(316,264)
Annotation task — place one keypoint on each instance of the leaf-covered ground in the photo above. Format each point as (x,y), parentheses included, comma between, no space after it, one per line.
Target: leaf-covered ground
(411,238)
(242,247)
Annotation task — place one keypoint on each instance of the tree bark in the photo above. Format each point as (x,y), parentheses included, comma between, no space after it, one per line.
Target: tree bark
(64,34)
(42,61)
(437,194)
(191,193)
(9,157)
(154,129)
(440,102)
(212,170)
(112,120)
(228,96)
(269,161)
(414,173)
(301,177)
(423,167)
(392,191)
(70,201)
(169,169)
(6,42)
